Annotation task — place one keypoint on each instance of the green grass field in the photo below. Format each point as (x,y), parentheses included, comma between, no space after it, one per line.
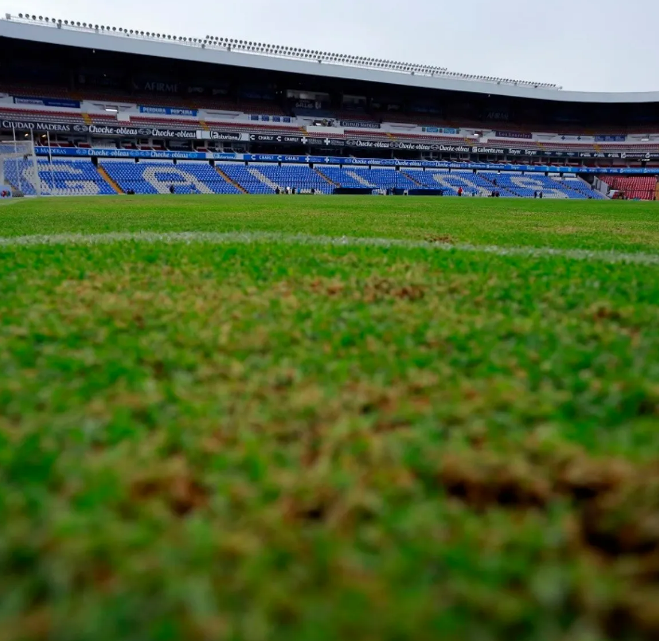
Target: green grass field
(256,436)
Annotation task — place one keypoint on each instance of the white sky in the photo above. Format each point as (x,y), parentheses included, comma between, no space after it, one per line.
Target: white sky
(608,45)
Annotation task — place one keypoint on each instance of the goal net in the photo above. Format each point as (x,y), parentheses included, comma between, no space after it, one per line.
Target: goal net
(19,173)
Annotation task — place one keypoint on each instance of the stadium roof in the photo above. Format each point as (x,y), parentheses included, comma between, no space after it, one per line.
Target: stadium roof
(253,55)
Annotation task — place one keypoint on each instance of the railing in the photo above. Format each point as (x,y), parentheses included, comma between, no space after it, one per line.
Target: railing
(277,51)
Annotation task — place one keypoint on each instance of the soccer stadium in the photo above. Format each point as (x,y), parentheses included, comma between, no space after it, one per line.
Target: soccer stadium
(297,344)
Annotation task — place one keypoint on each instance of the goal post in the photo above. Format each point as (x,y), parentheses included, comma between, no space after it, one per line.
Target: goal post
(19,170)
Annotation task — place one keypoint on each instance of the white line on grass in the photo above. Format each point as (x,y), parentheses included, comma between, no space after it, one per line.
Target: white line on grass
(247,238)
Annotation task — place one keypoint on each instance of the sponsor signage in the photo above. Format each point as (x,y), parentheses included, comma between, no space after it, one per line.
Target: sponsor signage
(296,140)
(519,135)
(100,130)
(126,153)
(34,125)
(334,160)
(308,104)
(269,118)
(156,86)
(611,138)
(275,138)
(311,142)
(168,111)
(441,130)
(622,155)
(47,102)
(360,124)
(223,135)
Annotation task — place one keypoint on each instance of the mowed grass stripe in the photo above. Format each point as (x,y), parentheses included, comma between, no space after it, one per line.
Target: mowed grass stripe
(592,225)
(233,238)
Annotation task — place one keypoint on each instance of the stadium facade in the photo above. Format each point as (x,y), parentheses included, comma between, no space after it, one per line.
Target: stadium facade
(126,110)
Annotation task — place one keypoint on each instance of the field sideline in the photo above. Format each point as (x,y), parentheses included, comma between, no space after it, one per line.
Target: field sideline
(328,418)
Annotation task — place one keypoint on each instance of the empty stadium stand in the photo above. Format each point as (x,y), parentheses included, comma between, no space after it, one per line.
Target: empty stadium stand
(156,177)
(525,186)
(61,177)
(300,177)
(81,176)
(633,187)
(472,183)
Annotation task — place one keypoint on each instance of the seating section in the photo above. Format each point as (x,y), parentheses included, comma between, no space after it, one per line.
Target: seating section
(64,177)
(250,179)
(59,178)
(301,177)
(20,175)
(581,187)
(363,177)
(472,184)
(264,179)
(80,176)
(384,179)
(525,186)
(343,177)
(633,187)
(158,177)
(207,175)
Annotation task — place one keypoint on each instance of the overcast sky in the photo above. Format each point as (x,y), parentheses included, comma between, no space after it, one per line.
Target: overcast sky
(608,45)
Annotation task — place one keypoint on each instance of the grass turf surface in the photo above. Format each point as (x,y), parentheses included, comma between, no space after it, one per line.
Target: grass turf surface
(250,442)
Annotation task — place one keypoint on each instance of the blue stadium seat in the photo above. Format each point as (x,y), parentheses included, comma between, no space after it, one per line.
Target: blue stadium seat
(471,183)
(157,177)
(264,179)
(61,177)
(251,180)
(525,185)
(573,183)
(302,177)
(343,177)
(365,177)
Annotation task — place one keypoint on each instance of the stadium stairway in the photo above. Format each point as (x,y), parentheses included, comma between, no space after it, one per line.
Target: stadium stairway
(239,174)
(471,183)
(87,119)
(262,178)
(578,188)
(360,179)
(104,174)
(238,186)
(326,178)
(416,182)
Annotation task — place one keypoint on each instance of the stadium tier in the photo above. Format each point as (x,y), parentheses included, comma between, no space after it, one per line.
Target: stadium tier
(205,100)
(238,97)
(110,176)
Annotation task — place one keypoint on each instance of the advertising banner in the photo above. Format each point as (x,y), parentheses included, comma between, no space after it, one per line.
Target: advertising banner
(47,102)
(100,130)
(335,160)
(519,135)
(611,138)
(168,111)
(360,124)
